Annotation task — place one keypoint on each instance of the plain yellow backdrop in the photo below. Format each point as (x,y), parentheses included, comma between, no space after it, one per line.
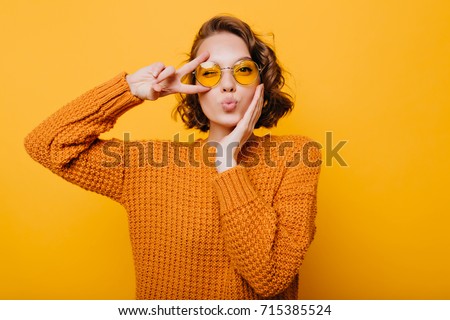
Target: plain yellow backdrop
(374,73)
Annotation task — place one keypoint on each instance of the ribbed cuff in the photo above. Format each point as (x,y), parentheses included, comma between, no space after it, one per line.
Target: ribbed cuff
(116,89)
(234,188)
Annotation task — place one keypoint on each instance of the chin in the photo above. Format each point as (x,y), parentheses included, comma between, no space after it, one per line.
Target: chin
(230,121)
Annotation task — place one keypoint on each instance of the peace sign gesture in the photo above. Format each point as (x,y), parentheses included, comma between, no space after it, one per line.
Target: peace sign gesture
(158,80)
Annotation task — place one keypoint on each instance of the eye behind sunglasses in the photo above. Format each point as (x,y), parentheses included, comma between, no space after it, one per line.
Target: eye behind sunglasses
(209,73)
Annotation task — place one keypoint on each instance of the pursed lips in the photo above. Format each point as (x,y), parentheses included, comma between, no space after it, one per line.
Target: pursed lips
(229,104)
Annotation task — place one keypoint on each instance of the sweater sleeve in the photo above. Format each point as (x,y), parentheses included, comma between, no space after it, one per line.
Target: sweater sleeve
(67,142)
(267,241)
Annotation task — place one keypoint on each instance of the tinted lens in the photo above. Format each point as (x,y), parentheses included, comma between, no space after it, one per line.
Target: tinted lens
(246,72)
(208,74)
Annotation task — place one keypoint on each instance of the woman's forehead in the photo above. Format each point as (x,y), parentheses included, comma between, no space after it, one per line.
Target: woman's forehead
(224,47)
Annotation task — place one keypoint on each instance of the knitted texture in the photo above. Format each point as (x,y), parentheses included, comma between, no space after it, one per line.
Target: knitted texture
(195,233)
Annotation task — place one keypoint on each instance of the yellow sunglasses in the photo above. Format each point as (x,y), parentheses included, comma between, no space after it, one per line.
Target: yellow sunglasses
(209,73)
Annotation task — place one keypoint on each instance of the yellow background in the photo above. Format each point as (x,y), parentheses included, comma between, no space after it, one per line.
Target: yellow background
(375,73)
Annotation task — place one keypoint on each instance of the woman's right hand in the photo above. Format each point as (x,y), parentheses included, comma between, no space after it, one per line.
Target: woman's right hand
(157,80)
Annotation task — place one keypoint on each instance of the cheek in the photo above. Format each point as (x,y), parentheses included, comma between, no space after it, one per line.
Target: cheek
(247,96)
(205,100)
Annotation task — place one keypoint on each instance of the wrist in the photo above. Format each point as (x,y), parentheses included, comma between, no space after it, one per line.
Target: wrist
(222,166)
(226,157)
(130,87)
(225,161)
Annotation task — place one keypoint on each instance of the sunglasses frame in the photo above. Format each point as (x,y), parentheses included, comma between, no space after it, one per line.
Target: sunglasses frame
(232,72)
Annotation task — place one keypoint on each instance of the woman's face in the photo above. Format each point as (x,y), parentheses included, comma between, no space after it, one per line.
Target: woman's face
(225,104)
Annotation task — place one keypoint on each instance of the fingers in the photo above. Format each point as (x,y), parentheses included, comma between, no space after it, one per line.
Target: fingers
(192,89)
(156,68)
(260,103)
(247,124)
(254,110)
(165,73)
(162,73)
(164,82)
(190,66)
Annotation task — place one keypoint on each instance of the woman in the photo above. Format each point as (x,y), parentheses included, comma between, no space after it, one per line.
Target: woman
(229,217)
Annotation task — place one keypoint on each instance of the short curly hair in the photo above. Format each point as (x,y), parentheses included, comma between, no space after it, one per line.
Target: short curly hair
(276,103)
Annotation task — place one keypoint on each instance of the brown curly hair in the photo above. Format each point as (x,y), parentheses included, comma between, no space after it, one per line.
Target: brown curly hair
(276,103)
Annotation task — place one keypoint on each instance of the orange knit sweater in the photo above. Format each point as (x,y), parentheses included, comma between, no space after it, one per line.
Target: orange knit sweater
(195,233)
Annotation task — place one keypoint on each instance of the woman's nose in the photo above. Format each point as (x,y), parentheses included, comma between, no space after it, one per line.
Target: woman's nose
(227,83)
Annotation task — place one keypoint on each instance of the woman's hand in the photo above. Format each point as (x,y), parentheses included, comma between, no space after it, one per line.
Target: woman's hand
(231,143)
(157,80)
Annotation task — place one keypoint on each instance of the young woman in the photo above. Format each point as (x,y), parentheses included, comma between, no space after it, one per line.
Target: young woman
(229,217)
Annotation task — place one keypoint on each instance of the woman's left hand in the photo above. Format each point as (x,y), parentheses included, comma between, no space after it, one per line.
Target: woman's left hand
(231,143)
